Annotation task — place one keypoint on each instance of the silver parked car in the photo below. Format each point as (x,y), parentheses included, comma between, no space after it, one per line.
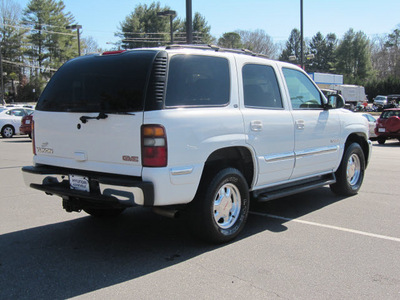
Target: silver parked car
(380,100)
(371,123)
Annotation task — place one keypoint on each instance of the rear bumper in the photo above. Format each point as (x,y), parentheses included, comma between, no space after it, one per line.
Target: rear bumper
(105,189)
(25,129)
(395,135)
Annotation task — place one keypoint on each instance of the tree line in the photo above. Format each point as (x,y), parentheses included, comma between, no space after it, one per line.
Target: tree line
(37,40)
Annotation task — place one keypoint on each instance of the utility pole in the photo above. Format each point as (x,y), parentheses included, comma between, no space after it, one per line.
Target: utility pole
(1,73)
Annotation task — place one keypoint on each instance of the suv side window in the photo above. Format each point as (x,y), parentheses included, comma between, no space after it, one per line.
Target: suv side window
(260,87)
(303,93)
(196,80)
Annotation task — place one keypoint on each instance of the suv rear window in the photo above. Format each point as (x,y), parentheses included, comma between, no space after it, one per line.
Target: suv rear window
(108,83)
(196,80)
(390,113)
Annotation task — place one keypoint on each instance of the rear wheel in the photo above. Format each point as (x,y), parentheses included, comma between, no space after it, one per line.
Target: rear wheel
(220,209)
(104,213)
(350,174)
(381,140)
(7,131)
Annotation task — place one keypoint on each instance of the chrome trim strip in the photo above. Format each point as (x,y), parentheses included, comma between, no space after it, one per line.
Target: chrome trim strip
(278,157)
(323,150)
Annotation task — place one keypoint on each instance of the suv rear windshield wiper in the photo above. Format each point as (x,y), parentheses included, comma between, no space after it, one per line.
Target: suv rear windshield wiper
(101,115)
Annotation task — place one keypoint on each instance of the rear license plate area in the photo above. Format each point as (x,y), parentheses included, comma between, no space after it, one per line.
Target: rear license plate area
(79,183)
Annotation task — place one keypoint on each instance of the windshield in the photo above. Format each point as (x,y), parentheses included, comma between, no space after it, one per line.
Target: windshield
(96,83)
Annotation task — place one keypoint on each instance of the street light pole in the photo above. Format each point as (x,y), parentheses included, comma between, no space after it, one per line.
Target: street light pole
(189,22)
(171,29)
(77,27)
(171,14)
(301,36)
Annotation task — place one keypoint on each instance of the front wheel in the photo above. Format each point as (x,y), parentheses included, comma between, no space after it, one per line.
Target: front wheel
(350,174)
(220,209)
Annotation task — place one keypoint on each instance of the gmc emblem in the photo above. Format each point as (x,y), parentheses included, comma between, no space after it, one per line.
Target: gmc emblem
(130,158)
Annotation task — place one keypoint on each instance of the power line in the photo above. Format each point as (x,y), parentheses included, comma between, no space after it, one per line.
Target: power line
(42,30)
(28,66)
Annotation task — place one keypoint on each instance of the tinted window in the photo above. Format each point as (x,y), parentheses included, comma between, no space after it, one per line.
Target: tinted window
(303,93)
(109,83)
(195,80)
(390,113)
(260,87)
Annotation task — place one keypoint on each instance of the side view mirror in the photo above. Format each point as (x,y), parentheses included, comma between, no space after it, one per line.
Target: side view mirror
(335,101)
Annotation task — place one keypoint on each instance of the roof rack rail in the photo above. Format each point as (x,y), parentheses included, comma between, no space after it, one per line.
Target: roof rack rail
(215,48)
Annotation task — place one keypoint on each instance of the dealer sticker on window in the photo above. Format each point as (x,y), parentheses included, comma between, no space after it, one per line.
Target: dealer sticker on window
(79,183)
(381,129)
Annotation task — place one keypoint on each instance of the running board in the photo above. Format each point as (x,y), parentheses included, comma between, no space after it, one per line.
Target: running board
(293,188)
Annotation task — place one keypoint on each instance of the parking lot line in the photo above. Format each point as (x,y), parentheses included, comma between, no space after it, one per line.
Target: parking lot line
(379,236)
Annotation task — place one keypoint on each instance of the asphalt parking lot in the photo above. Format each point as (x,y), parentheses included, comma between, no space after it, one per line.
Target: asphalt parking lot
(314,245)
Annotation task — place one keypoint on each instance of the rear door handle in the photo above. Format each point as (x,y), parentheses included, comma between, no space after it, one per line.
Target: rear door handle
(256,125)
(300,124)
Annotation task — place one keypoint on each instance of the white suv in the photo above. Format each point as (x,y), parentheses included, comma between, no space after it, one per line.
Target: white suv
(195,129)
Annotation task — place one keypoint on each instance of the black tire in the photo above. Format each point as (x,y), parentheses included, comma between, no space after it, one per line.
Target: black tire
(220,209)
(7,131)
(381,140)
(350,175)
(104,213)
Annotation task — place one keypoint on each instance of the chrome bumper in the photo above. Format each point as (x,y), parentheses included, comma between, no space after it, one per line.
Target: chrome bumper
(123,190)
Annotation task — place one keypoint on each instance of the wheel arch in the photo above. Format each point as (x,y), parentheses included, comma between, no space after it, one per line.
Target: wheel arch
(360,139)
(240,158)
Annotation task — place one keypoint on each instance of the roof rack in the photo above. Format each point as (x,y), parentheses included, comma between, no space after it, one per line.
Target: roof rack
(216,49)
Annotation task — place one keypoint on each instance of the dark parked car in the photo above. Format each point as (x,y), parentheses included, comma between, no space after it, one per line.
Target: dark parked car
(388,125)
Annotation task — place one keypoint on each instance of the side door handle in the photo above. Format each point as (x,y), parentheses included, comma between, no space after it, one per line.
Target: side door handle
(256,125)
(300,124)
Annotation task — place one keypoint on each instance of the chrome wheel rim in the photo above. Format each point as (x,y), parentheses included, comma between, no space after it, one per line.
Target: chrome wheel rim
(227,202)
(353,169)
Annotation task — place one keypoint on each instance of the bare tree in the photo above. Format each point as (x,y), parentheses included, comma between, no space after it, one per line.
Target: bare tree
(90,45)
(258,41)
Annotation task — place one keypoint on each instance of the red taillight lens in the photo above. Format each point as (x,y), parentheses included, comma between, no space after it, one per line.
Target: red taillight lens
(154,146)
(33,136)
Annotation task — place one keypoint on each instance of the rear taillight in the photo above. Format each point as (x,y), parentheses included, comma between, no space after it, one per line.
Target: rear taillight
(154,146)
(33,137)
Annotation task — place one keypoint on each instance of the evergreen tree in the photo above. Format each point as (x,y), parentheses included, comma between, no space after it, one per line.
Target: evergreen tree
(392,47)
(51,43)
(144,28)
(354,57)
(293,47)
(323,50)
(201,29)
